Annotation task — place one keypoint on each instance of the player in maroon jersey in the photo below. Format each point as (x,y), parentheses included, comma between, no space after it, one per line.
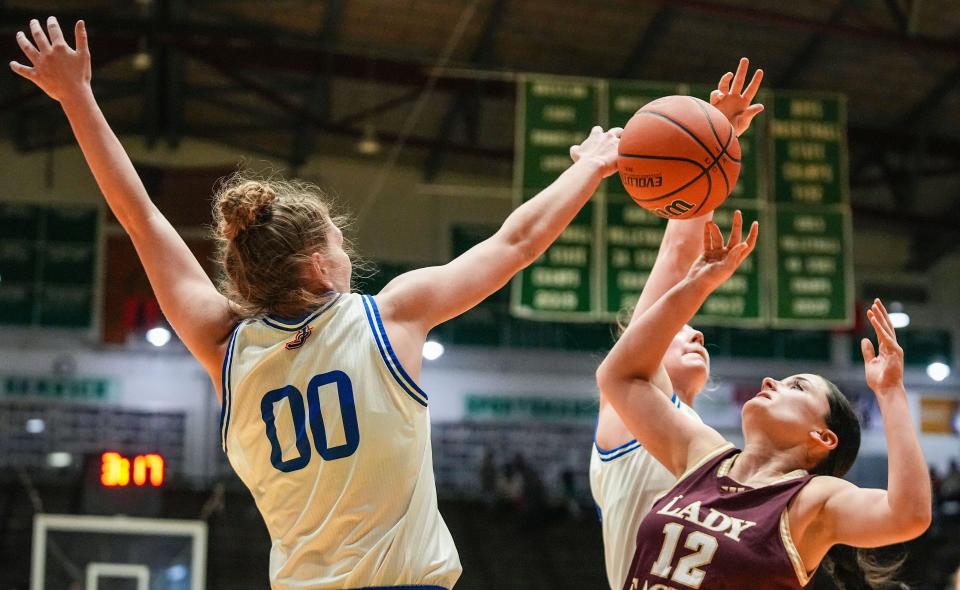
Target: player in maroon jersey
(764,517)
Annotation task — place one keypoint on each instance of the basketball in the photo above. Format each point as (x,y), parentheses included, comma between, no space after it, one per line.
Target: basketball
(679,157)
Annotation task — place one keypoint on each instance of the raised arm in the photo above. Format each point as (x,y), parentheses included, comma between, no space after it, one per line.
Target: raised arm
(424,298)
(871,517)
(200,315)
(626,375)
(682,240)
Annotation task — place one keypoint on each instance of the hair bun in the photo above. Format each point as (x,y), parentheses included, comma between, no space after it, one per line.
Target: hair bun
(241,204)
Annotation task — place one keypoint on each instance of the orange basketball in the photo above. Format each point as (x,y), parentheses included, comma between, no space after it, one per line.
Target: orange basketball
(679,157)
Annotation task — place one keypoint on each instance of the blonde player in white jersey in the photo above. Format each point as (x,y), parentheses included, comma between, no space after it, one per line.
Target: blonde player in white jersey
(322,416)
(624,478)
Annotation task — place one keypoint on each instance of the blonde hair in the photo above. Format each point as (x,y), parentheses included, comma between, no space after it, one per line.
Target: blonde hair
(266,230)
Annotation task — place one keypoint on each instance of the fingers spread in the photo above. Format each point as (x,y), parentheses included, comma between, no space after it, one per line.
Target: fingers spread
(866,347)
(716,238)
(735,229)
(53,27)
(752,236)
(740,77)
(39,37)
(882,335)
(80,33)
(27,47)
(22,70)
(754,85)
(716,96)
(724,85)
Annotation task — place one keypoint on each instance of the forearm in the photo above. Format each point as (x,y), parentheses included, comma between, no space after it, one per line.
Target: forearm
(908,483)
(114,172)
(536,224)
(639,352)
(681,244)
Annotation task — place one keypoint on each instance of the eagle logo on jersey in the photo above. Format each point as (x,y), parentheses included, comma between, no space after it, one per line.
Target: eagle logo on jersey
(301,337)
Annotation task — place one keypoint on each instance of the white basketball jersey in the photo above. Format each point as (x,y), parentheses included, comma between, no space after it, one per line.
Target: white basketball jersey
(332,438)
(625,481)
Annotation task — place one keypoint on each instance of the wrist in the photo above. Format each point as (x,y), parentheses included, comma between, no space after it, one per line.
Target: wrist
(79,97)
(890,391)
(594,164)
(695,285)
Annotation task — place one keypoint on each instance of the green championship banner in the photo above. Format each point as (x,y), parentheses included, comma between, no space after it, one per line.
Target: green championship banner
(813,232)
(47,261)
(794,165)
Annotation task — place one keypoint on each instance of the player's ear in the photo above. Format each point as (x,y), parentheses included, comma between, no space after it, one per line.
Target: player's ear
(825,438)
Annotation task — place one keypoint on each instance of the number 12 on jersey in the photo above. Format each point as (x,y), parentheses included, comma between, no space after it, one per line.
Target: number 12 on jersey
(687,571)
(348,417)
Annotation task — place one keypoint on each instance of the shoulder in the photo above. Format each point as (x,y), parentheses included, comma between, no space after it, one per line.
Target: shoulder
(815,496)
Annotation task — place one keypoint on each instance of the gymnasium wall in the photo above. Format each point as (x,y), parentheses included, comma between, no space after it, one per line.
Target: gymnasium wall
(412,223)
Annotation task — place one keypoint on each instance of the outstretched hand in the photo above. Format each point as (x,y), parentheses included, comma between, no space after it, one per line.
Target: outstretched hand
(57,69)
(719,261)
(884,370)
(602,145)
(733,100)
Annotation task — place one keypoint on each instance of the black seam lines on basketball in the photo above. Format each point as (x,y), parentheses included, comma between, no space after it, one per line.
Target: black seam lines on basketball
(723,150)
(703,171)
(716,159)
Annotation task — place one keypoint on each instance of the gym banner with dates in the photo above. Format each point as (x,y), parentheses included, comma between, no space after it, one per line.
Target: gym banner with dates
(47,262)
(793,180)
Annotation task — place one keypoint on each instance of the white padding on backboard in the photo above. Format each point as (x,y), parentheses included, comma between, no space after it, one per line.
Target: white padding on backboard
(97,570)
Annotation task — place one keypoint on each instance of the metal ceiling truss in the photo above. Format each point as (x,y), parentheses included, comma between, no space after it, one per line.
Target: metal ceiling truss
(465,104)
(317,99)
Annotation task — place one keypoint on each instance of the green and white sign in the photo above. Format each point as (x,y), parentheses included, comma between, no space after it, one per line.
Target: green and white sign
(530,408)
(66,388)
(556,113)
(794,167)
(47,262)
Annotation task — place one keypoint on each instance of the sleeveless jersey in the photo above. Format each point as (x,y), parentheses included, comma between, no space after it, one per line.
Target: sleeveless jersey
(625,481)
(332,438)
(712,533)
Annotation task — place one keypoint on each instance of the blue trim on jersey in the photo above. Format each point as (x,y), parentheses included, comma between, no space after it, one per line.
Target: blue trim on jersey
(386,352)
(297,324)
(617,452)
(635,445)
(225,382)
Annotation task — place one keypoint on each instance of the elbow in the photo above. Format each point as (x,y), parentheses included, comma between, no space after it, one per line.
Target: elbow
(916,522)
(608,381)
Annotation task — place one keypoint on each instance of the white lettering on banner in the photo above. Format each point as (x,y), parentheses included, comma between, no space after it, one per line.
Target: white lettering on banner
(559,114)
(811,285)
(807,108)
(554,163)
(727,306)
(811,224)
(555,300)
(632,280)
(559,90)
(810,244)
(576,234)
(634,236)
(555,277)
(811,307)
(568,255)
(560,138)
(806,130)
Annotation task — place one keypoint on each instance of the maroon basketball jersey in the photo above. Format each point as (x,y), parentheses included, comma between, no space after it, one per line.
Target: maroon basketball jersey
(712,533)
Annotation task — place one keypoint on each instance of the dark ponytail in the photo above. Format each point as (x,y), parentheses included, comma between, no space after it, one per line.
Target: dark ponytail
(851,568)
